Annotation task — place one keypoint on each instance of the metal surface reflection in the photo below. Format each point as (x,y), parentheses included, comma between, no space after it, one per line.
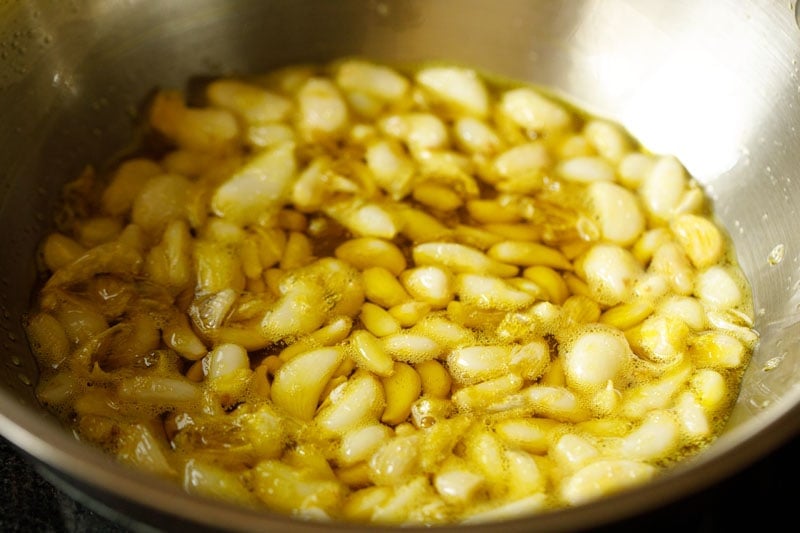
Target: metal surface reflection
(714,82)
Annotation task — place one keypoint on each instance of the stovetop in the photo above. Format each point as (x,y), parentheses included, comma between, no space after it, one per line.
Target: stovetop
(767,494)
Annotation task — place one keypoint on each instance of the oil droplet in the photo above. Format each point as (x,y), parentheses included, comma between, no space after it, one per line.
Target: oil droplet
(760,403)
(15,360)
(773,363)
(776,255)
(24,379)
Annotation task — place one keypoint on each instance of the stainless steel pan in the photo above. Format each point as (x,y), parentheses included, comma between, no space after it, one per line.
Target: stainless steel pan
(715,82)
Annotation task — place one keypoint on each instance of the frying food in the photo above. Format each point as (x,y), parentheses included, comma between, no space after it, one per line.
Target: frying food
(354,292)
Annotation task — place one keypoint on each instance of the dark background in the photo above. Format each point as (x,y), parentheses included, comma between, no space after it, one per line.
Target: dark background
(764,497)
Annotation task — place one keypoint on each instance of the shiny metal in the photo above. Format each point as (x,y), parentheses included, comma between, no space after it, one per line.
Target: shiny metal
(715,82)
